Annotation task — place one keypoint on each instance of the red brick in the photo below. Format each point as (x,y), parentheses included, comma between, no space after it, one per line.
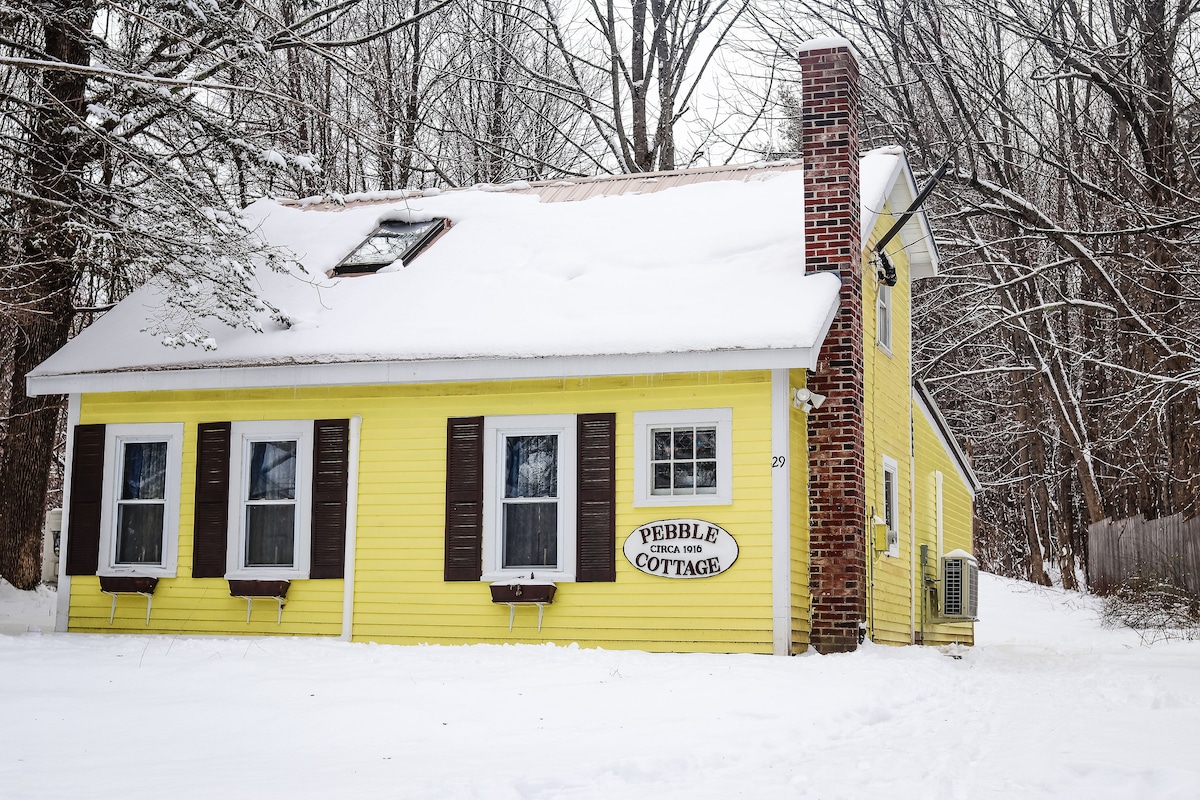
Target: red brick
(837,481)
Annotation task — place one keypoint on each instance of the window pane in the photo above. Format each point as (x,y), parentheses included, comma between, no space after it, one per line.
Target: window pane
(531,534)
(270,535)
(140,532)
(706,476)
(390,242)
(683,477)
(145,471)
(272,471)
(662,445)
(706,443)
(662,478)
(531,466)
(889,499)
(683,443)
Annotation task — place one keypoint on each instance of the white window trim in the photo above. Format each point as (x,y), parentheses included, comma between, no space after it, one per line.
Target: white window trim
(115,437)
(241,434)
(938,511)
(495,429)
(644,421)
(890,465)
(884,310)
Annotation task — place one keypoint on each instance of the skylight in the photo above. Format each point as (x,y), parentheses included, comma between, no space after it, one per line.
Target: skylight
(391,242)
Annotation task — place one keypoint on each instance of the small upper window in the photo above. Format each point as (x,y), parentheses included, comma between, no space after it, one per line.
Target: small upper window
(683,457)
(391,242)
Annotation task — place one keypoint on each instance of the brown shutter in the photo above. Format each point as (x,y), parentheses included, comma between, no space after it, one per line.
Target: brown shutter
(331,477)
(87,497)
(596,531)
(212,500)
(464,499)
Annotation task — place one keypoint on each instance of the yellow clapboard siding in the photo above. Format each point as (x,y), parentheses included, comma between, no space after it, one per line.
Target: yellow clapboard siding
(400,595)
(887,380)
(313,608)
(931,458)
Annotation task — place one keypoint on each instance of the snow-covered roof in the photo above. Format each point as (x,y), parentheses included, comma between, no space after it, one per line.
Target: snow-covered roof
(886,179)
(693,269)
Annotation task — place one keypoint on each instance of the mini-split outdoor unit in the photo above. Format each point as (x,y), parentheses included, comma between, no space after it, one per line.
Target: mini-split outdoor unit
(959,586)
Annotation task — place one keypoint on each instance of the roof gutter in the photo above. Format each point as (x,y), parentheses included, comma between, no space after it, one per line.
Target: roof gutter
(359,373)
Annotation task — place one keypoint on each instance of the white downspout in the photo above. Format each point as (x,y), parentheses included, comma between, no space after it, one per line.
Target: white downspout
(781,513)
(351,528)
(62,610)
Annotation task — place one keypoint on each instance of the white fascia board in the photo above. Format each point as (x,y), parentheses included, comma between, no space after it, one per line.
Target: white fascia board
(941,430)
(428,371)
(916,236)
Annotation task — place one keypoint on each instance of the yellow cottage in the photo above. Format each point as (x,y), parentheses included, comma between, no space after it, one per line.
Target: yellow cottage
(670,412)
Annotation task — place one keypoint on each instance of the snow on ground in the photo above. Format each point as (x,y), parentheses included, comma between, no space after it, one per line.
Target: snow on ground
(1049,705)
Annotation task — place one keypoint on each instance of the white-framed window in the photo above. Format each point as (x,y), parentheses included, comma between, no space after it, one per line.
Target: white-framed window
(891,504)
(139,520)
(883,317)
(529,497)
(683,457)
(270,486)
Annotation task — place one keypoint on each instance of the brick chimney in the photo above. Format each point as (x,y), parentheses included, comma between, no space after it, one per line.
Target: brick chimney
(837,477)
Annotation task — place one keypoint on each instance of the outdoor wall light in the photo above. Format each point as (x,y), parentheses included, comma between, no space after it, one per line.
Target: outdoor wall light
(807,400)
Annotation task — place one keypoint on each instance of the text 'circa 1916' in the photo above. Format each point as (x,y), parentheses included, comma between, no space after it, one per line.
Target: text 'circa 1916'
(681,548)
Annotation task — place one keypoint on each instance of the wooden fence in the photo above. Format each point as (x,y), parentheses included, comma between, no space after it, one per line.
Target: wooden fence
(1167,548)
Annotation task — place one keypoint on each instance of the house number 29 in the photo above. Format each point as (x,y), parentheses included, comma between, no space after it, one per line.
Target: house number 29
(778,461)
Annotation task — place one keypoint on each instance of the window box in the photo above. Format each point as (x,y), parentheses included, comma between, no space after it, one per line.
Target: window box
(117,585)
(127,584)
(259,588)
(523,591)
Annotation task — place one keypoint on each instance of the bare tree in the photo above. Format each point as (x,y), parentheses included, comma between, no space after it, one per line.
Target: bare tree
(126,151)
(1066,318)
(651,57)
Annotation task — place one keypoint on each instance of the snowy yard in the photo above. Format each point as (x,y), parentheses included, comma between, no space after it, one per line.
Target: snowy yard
(1050,704)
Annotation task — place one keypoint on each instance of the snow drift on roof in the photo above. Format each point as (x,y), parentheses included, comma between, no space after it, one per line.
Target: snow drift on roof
(710,265)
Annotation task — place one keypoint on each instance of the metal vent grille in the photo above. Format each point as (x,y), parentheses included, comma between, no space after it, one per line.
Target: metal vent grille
(953,603)
(973,596)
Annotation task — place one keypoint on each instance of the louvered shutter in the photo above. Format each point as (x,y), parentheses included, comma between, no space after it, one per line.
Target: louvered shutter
(210,533)
(331,476)
(87,497)
(596,543)
(464,499)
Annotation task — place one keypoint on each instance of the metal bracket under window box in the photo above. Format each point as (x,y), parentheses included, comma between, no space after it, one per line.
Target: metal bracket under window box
(117,585)
(523,592)
(264,590)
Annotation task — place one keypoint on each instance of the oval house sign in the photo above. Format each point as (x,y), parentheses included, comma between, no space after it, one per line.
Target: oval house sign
(681,548)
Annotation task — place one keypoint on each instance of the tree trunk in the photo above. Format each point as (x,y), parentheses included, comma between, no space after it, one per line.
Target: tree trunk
(38,293)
